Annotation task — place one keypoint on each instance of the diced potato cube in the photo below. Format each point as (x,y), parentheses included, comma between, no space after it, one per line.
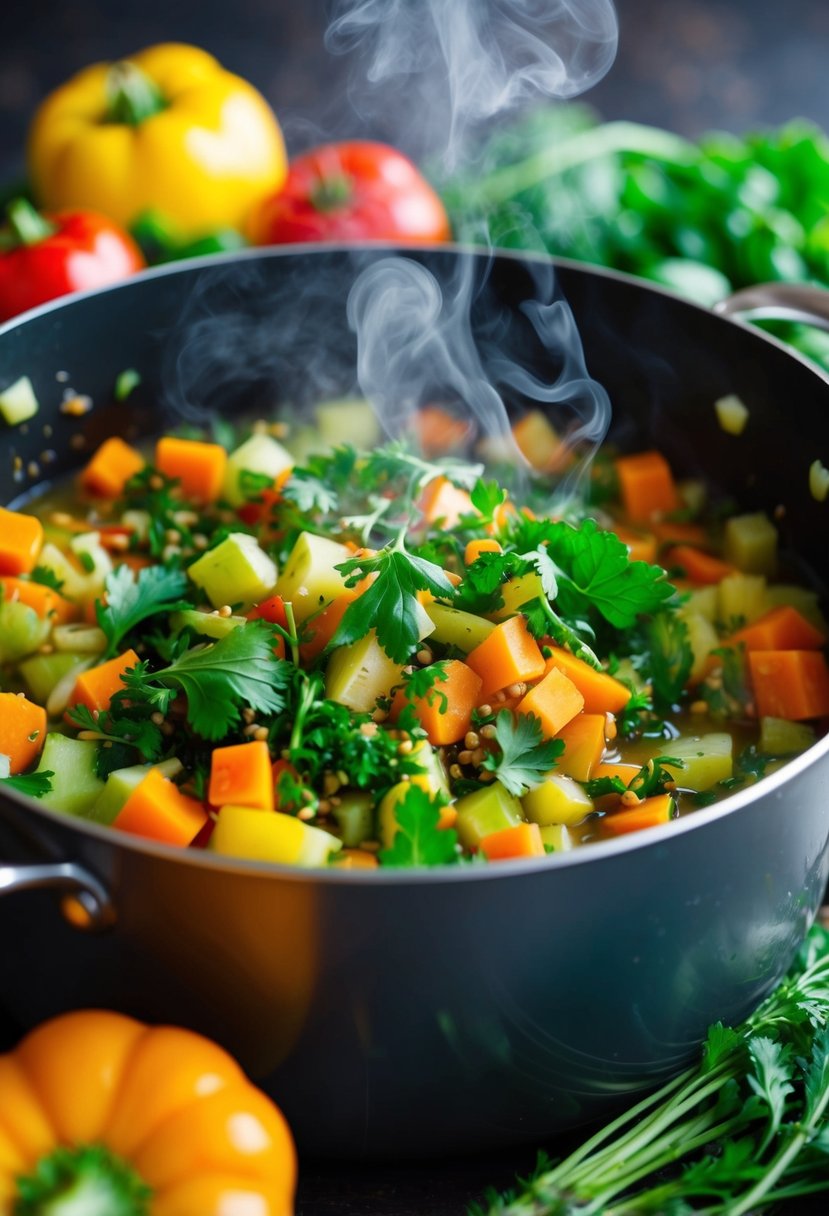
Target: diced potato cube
(360,673)
(741,597)
(18,402)
(779,737)
(703,638)
(237,571)
(751,543)
(271,836)
(707,759)
(259,454)
(309,579)
(732,414)
(558,799)
(702,601)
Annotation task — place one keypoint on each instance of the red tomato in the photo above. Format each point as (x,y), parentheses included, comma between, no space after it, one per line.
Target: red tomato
(47,256)
(354,191)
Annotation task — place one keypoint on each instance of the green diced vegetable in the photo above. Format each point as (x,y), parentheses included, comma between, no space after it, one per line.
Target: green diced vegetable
(354,816)
(309,578)
(703,601)
(707,759)
(558,800)
(18,402)
(352,421)
(205,624)
(43,671)
(75,784)
(780,737)
(260,454)
(518,591)
(741,597)
(486,810)
(237,571)
(456,628)
(21,630)
(702,638)
(556,837)
(119,784)
(359,674)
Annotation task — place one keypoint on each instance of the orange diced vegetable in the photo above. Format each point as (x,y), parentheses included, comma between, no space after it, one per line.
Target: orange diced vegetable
(22,730)
(44,600)
(602,693)
(448,817)
(648,814)
(21,537)
(200,467)
(96,688)
(443,502)
(438,431)
(241,775)
(109,470)
(782,628)
(158,810)
(584,743)
(510,654)
(445,712)
(356,859)
(678,532)
(475,548)
(523,840)
(792,684)
(626,772)
(555,700)
(539,442)
(642,546)
(702,569)
(647,486)
(320,629)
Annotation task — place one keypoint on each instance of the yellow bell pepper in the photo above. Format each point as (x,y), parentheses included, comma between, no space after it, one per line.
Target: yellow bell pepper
(168,130)
(102,1113)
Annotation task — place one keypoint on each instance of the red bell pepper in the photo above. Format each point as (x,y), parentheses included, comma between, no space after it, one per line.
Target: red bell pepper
(42,257)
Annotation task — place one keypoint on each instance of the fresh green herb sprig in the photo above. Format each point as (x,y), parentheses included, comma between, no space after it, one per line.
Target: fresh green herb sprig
(131,599)
(521,759)
(34,785)
(419,841)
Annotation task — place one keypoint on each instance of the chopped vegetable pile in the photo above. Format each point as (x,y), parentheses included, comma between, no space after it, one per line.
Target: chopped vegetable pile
(383,657)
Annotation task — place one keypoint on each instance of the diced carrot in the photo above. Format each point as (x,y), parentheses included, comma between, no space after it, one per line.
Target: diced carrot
(648,814)
(523,840)
(647,486)
(625,772)
(21,537)
(701,568)
(508,656)
(438,431)
(475,548)
(555,700)
(200,467)
(44,600)
(356,859)
(539,442)
(157,809)
(96,687)
(642,546)
(241,775)
(22,730)
(444,502)
(320,630)
(445,712)
(109,470)
(584,744)
(792,684)
(782,628)
(678,532)
(602,693)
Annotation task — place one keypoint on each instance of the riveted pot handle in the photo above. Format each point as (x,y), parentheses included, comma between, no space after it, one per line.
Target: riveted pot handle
(779,302)
(86,903)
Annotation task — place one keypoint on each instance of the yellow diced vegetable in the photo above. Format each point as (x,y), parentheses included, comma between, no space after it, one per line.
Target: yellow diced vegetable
(309,579)
(702,638)
(732,414)
(558,799)
(707,759)
(271,836)
(780,737)
(751,543)
(818,481)
(556,836)
(517,591)
(360,673)
(456,628)
(485,811)
(741,597)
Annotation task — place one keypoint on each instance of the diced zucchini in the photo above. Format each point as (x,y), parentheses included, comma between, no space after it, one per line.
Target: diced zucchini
(309,579)
(75,784)
(21,630)
(206,624)
(703,601)
(354,816)
(456,628)
(556,836)
(43,671)
(559,799)
(259,454)
(740,597)
(750,543)
(702,637)
(517,591)
(708,759)
(360,673)
(120,784)
(779,737)
(18,402)
(483,811)
(350,421)
(732,414)
(271,836)
(237,571)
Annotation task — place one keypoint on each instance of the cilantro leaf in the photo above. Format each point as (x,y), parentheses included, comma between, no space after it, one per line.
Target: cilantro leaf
(419,841)
(522,760)
(34,785)
(46,577)
(390,605)
(420,684)
(132,599)
(309,492)
(543,622)
(671,657)
(122,726)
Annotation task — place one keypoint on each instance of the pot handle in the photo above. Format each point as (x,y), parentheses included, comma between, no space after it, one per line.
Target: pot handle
(779,302)
(86,903)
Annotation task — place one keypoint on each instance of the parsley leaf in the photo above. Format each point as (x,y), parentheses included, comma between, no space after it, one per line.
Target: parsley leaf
(122,726)
(524,759)
(390,605)
(132,599)
(419,841)
(46,577)
(671,657)
(308,492)
(34,785)
(420,684)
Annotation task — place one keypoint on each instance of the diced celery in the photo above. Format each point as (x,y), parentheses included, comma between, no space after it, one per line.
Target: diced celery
(354,815)
(707,759)
(559,799)
(779,737)
(486,810)
(237,571)
(271,836)
(352,421)
(360,673)
(259,454)
(75,784)
(703,601)
(750,543)
(556,836)
(43,671)
(741,597)
(456,628)
(702,637)
(309,578)
(206,624)
(21,630)
(119,784)
(18,402)
(517,591)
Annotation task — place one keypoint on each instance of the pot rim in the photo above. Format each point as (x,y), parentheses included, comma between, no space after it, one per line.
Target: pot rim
(596,852)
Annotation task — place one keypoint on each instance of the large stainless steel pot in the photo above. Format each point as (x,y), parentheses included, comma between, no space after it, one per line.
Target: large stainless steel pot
(429,1012)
